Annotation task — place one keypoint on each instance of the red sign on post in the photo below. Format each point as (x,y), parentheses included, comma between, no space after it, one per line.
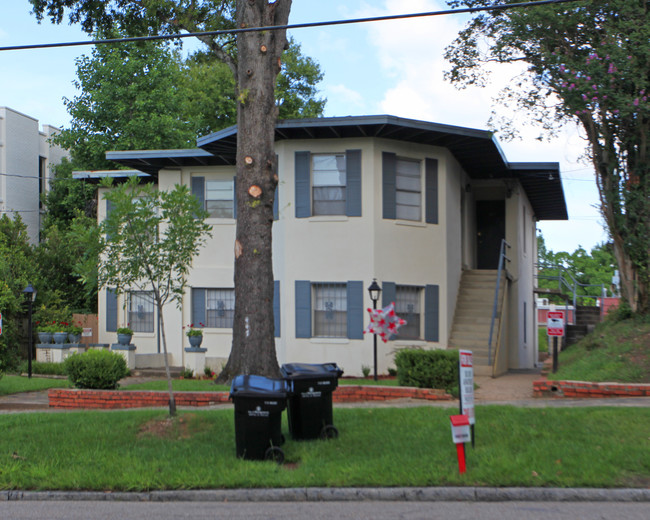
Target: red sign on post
(555,323)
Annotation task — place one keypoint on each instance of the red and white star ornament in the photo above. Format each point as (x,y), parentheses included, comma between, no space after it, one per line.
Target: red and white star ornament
(384,322)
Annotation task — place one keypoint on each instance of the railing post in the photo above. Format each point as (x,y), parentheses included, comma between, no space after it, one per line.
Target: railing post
(502,257)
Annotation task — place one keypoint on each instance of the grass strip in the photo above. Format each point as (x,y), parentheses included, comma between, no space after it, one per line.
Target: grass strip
(10,384)
(145,450)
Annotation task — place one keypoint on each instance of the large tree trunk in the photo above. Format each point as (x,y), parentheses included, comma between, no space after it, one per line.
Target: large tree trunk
(258,64)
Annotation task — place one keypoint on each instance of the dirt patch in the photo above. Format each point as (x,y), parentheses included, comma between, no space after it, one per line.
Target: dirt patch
(168,427)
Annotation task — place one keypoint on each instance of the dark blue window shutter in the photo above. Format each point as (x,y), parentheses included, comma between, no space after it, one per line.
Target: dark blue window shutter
(388,172)
(355,310)
(276,202)
(198,307)
(198,189)
(276,307)
(303,184)
(388,293)
(432,313)
(234,197)
(431,190)
(111,310)
(303,309)
(353,175)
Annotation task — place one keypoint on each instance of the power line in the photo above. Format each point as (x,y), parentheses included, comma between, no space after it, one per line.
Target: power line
(468,10)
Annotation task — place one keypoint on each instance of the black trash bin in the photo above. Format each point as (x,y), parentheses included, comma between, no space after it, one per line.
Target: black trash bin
(310,400)
(259,402)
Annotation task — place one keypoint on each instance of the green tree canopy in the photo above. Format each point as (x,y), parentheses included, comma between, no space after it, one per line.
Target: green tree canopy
(589,62)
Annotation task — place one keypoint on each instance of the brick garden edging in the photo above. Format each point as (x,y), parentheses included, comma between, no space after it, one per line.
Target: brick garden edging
(64,398)
(547,388)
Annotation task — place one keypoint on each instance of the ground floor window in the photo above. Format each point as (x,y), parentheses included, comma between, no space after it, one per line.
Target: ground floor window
(141,311)
(330,310)
(408,306)
(220,308)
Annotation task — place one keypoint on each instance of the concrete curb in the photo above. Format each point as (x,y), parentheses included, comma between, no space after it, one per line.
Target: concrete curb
(416,494)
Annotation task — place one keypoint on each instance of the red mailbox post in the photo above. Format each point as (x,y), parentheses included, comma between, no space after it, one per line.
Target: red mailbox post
(460,433)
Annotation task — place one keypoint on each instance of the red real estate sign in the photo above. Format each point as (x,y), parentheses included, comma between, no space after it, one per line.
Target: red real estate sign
(555,323)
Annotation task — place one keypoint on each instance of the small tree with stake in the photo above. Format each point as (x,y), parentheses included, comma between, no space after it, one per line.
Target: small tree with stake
(147,242)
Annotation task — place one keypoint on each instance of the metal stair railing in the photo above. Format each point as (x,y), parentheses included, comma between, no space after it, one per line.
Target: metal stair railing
(571,286)
(502,259)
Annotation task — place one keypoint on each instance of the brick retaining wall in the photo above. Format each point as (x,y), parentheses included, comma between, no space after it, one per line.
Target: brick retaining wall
(64,398)
(547,388)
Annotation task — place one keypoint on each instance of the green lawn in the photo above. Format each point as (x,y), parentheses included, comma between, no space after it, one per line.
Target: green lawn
(613,352)
(144,450)
(17,384)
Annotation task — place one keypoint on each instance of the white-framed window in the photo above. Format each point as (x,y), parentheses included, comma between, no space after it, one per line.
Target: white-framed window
(220,308)
(408,189)
(219,198)
(329,184)
(408,305)
(330,309)
(141,311)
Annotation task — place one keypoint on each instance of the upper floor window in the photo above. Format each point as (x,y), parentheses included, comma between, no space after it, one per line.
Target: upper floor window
(216,195)
(329,184)
(141,311)
(219,197)
(408,190)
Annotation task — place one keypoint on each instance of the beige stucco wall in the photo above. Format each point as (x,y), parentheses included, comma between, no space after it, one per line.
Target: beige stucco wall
(340,249)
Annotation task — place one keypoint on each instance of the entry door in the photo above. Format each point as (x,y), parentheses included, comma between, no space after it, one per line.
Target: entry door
(490,230)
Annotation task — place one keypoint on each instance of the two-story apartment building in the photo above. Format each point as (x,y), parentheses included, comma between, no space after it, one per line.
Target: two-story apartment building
(421,207)
(26,160)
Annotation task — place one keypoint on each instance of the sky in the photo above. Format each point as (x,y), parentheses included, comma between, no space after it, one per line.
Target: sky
(389,67)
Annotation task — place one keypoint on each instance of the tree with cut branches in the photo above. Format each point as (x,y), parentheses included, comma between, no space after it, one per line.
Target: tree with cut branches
(588,62)
(255,59)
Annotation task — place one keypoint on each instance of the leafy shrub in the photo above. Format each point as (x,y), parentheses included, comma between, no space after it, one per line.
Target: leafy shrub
(187,373)
(428,369)
(96,369)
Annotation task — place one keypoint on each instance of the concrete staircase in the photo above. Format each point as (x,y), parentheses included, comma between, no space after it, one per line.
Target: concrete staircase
(471,326)
(587,317)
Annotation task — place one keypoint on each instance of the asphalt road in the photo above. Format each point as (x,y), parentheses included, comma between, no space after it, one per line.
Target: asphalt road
(376,510)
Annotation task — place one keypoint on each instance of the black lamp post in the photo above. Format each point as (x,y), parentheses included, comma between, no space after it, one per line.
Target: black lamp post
(374,290)
(30,293)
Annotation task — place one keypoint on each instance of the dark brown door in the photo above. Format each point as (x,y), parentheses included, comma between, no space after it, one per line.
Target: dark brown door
(490,230)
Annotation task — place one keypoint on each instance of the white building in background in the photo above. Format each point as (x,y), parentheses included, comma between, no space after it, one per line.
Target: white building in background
(26,161)
(419,206)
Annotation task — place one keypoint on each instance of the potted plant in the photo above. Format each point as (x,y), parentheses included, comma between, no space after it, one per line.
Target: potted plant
(61,332)
(124,335)
(45,332)
(74,333)
(195,335)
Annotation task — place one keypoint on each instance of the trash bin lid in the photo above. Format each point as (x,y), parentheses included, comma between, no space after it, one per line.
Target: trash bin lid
(310,371)
(258,386)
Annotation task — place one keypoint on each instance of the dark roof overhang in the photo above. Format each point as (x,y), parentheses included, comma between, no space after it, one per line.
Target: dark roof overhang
(477,151)
(152,161)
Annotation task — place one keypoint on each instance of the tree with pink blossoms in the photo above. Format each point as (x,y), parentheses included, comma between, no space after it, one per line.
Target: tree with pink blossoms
(587,61)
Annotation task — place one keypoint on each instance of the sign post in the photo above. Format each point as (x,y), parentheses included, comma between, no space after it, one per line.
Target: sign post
(460,434)
(555,329)
(466,387)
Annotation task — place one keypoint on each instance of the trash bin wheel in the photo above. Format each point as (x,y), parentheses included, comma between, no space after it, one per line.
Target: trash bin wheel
(275,454)
(329,432)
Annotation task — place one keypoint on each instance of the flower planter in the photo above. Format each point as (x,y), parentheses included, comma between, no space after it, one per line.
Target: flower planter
(44,337)
(195,341)
(60,338)
(73,338)
(124,339)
